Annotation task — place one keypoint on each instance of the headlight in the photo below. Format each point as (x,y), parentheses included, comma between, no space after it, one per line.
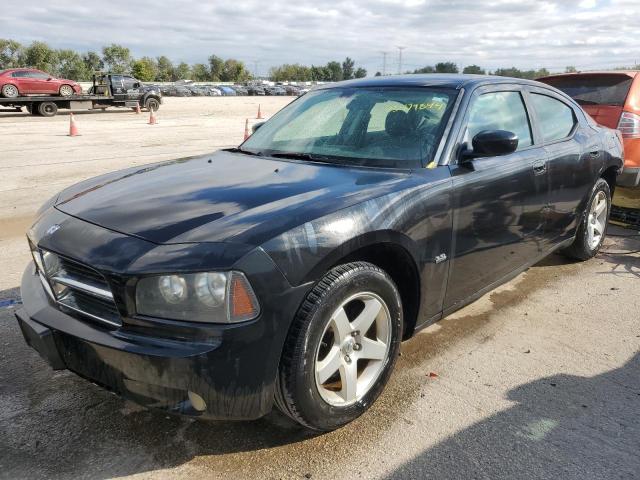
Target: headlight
(212,297)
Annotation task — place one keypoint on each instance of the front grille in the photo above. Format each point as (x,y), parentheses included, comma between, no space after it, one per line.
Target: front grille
(77,288)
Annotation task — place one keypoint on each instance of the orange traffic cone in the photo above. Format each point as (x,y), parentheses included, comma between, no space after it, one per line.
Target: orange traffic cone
(138,111)
(246,129)
(152,117)
(73,128)
(259,116)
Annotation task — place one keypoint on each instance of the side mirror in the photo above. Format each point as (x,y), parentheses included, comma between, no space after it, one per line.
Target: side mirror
(136,85)
(256,127)
(493,143)
(49,79)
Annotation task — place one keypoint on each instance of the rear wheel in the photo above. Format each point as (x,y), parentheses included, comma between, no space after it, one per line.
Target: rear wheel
(47,109)
(341,347)
(10,91)
(66,90)
(593,228)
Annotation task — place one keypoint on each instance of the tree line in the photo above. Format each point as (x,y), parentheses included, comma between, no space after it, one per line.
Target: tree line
(66,63)
(331,72)
(451,67)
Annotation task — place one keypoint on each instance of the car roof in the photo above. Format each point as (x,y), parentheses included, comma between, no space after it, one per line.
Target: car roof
(630,73)
(443,80)
(8,70)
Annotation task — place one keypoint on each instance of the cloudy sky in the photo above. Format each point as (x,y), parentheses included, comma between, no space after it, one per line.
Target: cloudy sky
(589,34)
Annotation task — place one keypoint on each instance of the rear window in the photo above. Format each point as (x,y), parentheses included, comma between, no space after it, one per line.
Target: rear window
(594,89)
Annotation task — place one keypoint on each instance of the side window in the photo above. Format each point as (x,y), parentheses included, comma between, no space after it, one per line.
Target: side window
(39,75)
(128,82)
(116,81)
(556,119)
(21,74)
(499,111)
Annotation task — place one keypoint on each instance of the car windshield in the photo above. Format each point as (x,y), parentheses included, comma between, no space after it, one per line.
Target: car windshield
(597,89)
(379,127)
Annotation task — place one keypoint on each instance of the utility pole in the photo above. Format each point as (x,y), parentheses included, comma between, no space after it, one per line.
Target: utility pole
(384,63)
(255,69)
(400,49)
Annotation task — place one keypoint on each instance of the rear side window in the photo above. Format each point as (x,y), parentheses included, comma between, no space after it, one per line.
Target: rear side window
(499,111)
(20,74)
(594,89)
(38,75)
(556,119)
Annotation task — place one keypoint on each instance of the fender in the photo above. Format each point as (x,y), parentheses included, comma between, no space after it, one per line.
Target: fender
(361,241)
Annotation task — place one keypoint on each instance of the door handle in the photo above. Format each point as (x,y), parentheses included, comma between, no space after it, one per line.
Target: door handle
(539,168)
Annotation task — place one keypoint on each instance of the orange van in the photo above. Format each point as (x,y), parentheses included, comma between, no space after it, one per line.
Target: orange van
(613,99)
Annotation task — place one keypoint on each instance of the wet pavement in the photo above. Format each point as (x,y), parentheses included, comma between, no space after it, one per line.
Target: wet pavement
(538,379)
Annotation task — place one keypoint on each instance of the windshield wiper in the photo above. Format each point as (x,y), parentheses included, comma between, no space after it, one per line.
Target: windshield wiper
(300,156)
(242,150)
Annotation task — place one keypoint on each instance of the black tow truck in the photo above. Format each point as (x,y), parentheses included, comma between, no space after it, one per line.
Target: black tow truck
(108,90)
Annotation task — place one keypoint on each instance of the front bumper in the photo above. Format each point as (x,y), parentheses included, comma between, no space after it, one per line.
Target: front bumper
(232,368)
(630,177)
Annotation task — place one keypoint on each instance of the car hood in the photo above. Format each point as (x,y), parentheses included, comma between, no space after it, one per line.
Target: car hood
(222,197)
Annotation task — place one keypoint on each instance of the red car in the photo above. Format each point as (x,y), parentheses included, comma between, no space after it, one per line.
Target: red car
(26,81)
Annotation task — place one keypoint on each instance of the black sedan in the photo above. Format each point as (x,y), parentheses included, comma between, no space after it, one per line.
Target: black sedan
(287,271)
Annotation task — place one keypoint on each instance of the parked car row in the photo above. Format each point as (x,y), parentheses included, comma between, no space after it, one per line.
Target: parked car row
(230,90)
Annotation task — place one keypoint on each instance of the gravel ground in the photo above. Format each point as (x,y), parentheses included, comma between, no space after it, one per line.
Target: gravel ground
(538,379)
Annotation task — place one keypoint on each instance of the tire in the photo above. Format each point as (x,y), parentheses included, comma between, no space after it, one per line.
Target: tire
(66,91)
(325,344)
(593,227)
(47,109)
(10,91)
(152,104)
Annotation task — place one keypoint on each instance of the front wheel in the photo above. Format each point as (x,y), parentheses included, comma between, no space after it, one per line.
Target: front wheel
(152,104)
(66,91)
(341,347)
(593,228)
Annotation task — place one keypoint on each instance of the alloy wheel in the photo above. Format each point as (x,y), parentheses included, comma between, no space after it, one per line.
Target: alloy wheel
(10,91)
(353,350)
(597,220)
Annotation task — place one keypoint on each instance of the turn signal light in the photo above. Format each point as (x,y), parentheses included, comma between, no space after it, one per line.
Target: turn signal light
(244,304)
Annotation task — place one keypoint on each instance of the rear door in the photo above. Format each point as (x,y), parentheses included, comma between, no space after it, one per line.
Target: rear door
(117,88)
(574,155)
(25,83)
(498,201)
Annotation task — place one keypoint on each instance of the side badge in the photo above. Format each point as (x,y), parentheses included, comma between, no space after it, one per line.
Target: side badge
(52,229)
(441,258)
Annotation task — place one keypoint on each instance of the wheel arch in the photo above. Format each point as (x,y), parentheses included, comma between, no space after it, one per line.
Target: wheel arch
(393,252)
(610,175)
(148,96)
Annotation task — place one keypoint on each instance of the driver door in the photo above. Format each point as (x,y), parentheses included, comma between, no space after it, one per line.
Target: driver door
(498,202)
